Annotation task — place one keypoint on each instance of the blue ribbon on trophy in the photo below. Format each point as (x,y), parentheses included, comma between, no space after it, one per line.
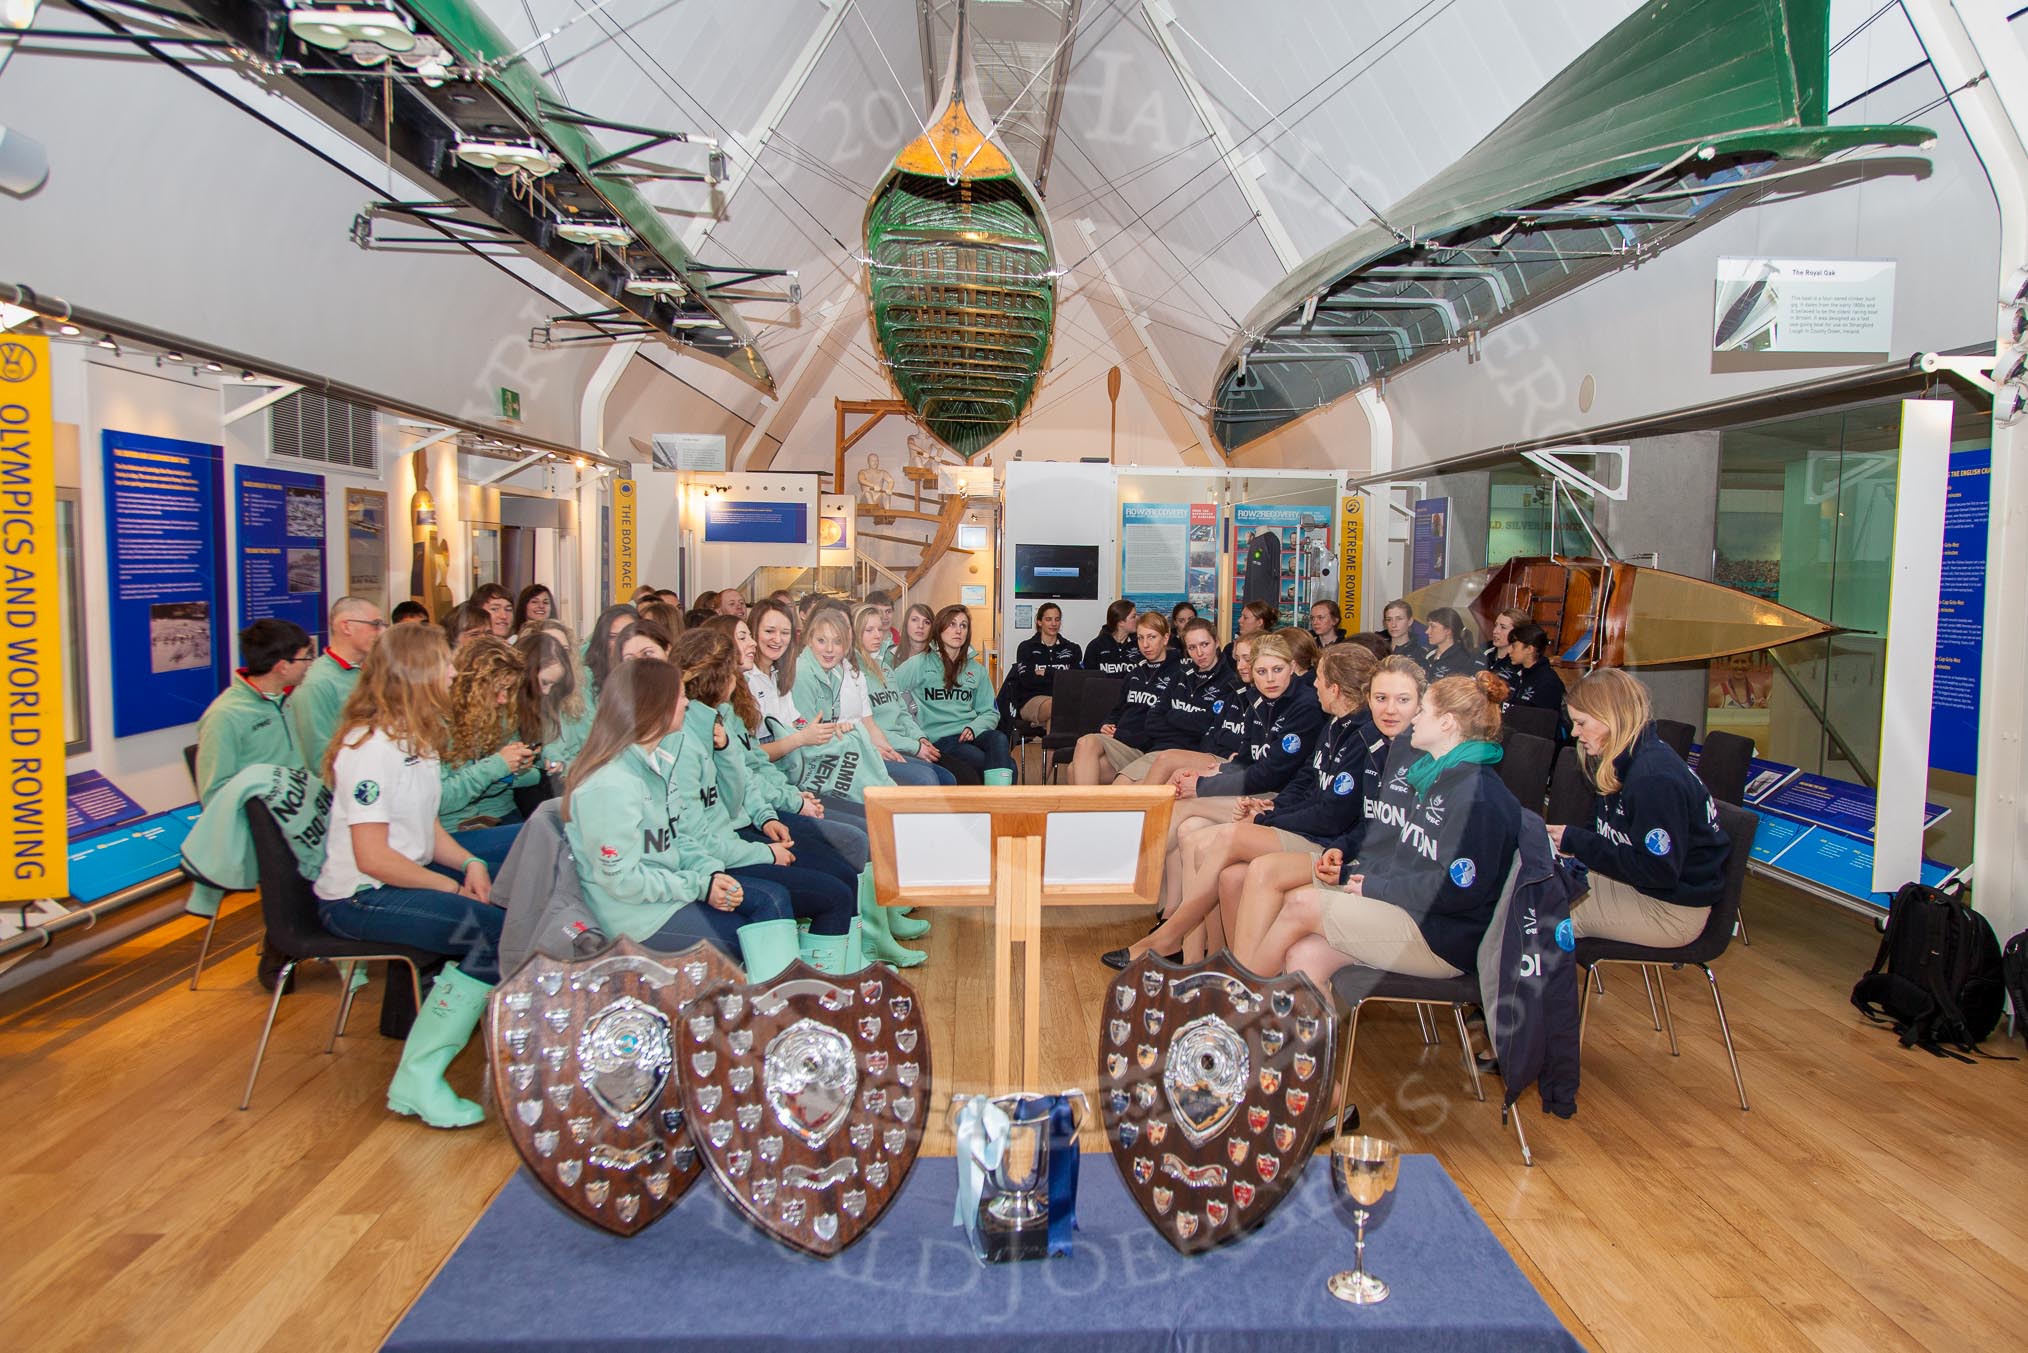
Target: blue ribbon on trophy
(1017,1173)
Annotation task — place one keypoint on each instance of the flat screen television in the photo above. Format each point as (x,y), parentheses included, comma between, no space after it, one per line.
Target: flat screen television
(1056,572)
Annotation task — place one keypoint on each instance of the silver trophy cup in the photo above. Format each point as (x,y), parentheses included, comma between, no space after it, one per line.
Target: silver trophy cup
(1014,1205)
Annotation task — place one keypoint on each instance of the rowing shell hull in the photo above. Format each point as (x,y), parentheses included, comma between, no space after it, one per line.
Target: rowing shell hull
(1607,614)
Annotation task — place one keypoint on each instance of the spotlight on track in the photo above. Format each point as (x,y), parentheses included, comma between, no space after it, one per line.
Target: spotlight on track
(18,13)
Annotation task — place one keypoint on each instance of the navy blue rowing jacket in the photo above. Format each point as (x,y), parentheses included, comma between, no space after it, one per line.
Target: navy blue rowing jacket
(1657,833)
(1280,736)
(1112,657)
(1328,798)
(1387,763)
(1227,735)
(1143,692)
(1183,711)
(1538,686)
(1444,858)
(1035,669)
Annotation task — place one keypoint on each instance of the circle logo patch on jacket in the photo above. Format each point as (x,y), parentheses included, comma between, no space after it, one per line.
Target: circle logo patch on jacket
(1657,842)
(1292,744)
(1463,872)
(1343,784)
(366,792)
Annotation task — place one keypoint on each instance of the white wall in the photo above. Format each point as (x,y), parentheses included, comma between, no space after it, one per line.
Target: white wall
(1053,503)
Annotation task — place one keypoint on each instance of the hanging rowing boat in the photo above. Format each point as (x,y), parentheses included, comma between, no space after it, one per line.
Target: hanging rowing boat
(1605,613)
(963,273)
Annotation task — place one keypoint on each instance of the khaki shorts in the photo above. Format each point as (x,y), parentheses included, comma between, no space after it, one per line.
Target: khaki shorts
(1376,934)
(1613,911)
(1118,756)
(1137,769)
(1298,845)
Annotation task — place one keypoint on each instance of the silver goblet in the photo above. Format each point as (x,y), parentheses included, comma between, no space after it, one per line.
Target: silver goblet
(1363,1169)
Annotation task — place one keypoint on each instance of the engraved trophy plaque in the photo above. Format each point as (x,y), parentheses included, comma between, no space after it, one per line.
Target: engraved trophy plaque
(808,1094)
(1211,1085)
(582,1061)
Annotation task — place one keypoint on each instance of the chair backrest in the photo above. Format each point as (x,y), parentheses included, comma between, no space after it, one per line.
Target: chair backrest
(1524,768)
(1724,764)
(1677,735)
(288,903)
(1083,700)
(1532,719)
(1739,825)
(190,763)
(1570,791)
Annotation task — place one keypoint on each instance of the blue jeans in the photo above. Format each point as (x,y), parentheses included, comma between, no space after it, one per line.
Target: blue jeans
(764,901)
(460,928)
(986,751)
(913,770)
(841,831)
(828,904)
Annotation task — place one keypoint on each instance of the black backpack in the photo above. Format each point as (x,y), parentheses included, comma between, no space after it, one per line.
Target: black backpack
(2014,972)
(1937,976)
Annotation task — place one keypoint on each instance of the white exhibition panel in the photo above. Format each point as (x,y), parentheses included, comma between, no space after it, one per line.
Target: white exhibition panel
(943,850)
(1908,675)
(1091,849)
(1053,502)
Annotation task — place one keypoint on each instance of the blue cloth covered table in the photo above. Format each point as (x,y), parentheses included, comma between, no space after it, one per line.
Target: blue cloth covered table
(530,1276)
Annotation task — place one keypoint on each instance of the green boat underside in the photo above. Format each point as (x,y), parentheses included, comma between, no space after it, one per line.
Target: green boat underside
(964,301)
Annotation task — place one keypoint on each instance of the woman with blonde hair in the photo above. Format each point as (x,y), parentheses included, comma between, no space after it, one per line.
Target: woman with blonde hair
(485,758)
(1432,863)
(1317,805)
(912,758)
(393,875)
(1494,657)
(1654,847)
(1227,734)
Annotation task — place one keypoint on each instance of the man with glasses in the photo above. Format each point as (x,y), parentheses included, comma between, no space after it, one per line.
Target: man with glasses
(355,627)
(248,724)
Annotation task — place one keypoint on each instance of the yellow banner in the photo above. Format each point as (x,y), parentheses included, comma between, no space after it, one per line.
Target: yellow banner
(625,554)
(1351,559)
(34,824)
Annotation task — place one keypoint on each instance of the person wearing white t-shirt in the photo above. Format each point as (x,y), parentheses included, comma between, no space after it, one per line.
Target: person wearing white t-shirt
(393,874)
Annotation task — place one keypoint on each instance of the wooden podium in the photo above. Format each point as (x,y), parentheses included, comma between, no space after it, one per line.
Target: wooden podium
(1018,849)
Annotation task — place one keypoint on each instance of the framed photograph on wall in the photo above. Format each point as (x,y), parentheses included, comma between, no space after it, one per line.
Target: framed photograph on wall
(366,545)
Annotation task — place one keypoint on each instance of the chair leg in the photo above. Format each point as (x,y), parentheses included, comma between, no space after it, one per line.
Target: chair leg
(1584,1007)
(1725,1032)
(1426,1024)
(1653,1013)
(1520,1135)
(1662,989)
(1345,1065)
(345,971)
(261,1050)
(204,945)
(1471,1062)
(414,981)
(1598,979)
(1739,929)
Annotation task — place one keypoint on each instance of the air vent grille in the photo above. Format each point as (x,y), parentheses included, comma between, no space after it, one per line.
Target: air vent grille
(313,427)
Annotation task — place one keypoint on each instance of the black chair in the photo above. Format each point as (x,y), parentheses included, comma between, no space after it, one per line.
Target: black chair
(1083,700)
(1524,768)
(528,798)
(1571,793)
(289,909)
(1738,824)
(190,763)
(1533,720)
(1677,734)
(1354,986)
(1724,764)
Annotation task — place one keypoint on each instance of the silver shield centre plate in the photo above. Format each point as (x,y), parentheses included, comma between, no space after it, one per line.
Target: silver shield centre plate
(1205,1076)
(623,1058)
(810,1075)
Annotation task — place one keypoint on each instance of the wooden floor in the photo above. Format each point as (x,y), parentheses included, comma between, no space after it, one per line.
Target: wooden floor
(1871,1199)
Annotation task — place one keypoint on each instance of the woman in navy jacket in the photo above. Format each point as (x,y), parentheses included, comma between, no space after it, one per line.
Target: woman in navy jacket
(1434,859)
(1113,652)
(1122,738)
(1534,682)
(1318,803)
(1038,661)
(1249,905)
(1654,847)
(1225,735)
(1187,701)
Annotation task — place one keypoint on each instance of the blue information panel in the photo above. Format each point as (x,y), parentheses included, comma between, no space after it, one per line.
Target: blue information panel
(1429,542)
(1843,807)
(1842,864)
(1774,835)
(166,546)
(1961,615)
(281,547)
(101,865)
(96,803)
(1762,777)
(756,522)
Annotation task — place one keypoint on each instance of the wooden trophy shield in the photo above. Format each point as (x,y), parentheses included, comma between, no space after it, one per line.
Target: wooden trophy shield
(1212,1086)
(582,1058)
(807,1094)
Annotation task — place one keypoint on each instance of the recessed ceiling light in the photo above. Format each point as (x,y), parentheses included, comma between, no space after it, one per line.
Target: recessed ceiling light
(172,356)
(68,330)
(213,366)
(106,341)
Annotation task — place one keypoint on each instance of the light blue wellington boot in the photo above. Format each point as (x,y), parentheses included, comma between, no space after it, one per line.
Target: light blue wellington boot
(903,926)
(837,955)
(441,1029)
(766,947)
(874,936)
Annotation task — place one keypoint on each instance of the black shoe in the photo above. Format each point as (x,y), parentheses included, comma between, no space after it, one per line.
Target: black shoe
(1117,959)
(270,968)
(1488,1064)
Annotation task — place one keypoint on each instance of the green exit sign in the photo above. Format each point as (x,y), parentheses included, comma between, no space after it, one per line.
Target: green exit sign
(510,403)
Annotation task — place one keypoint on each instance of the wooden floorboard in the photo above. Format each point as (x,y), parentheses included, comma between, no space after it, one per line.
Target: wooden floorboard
(1870,1199)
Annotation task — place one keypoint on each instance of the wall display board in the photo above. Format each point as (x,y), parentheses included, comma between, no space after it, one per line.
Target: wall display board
(1285,556)
(688,450)
(1429,559)
(95,803)
(626,553)
(165,540)
(31,655)
(1351,559)
(281,547)
(756,522)
(1169,554)
(1803,305)
(366,545)
(104,863)
(1961,615)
